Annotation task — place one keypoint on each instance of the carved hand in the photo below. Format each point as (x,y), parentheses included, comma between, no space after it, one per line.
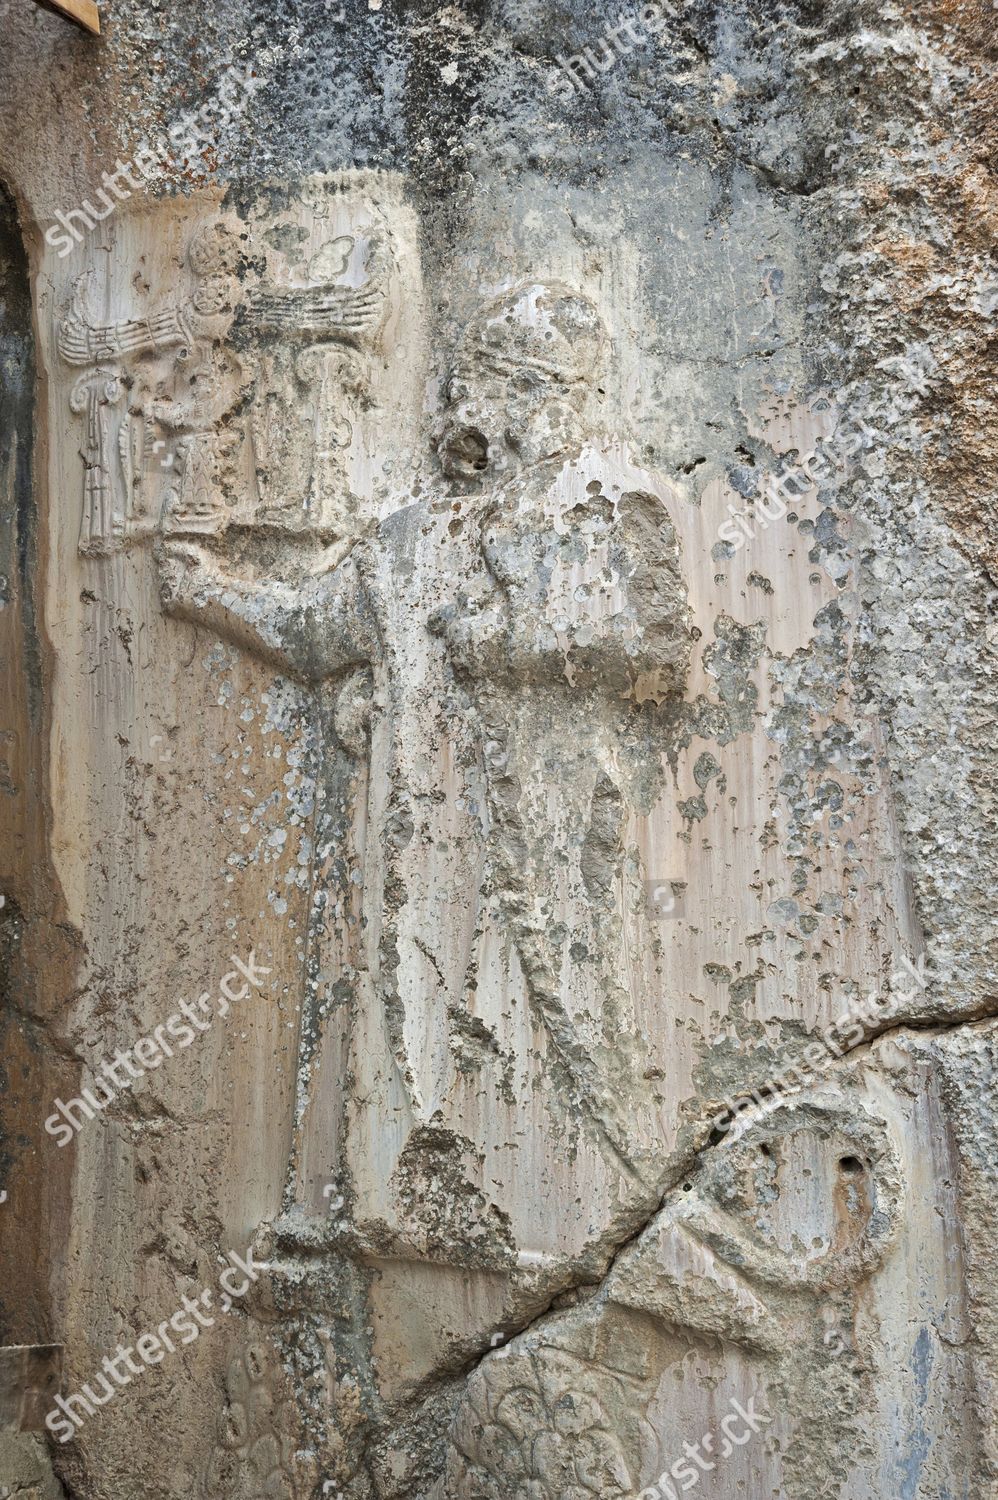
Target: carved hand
(310,631)
(184,571)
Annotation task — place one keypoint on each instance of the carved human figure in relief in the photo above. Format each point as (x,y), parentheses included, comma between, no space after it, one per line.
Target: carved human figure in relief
(502,662)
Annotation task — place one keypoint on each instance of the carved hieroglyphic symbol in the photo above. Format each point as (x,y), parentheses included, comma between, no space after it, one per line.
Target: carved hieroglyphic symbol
(257,1432)
(112,449)
(311,371)
(233,404)
(728,1257)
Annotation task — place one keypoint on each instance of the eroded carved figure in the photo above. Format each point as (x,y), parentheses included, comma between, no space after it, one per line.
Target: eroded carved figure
(499,662)
(549,596)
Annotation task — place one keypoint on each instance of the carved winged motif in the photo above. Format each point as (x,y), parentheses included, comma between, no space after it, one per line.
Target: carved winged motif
(333,312)
(240,393)
(310,374)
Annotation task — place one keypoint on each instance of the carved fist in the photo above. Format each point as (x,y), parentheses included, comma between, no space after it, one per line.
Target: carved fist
(594,584)
(184,569)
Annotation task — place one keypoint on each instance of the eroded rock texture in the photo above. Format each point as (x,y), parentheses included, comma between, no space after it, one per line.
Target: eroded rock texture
(497,752)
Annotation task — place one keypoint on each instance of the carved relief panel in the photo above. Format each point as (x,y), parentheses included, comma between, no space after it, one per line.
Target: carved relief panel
(778,1279)
(246,395)
(502,647)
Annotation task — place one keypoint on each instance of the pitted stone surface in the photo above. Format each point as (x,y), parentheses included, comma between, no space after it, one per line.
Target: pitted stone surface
(394,587)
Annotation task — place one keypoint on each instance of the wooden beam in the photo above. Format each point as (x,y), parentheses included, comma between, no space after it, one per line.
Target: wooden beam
(83,12)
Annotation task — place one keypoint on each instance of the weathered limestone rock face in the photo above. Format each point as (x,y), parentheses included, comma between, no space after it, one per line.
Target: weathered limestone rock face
(497,752)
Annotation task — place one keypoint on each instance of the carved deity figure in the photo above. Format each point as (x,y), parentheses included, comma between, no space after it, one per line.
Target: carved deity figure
(500,664)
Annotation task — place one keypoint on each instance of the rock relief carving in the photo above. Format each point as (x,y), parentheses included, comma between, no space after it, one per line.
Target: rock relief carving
(254,1448)
(577,1405)
(489,629)
(231,404)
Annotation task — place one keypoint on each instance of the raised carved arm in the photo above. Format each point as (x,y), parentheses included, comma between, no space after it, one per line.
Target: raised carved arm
(312,632)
